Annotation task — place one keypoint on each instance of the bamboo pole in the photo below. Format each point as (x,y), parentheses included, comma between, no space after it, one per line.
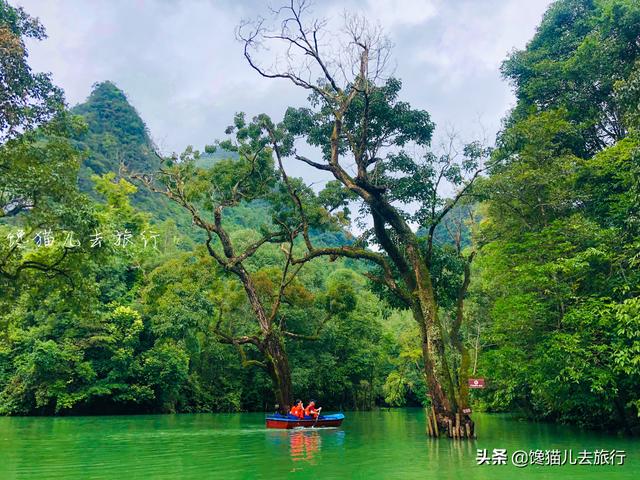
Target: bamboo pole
(458,431)
(429,428)
(435,422)
(468,428)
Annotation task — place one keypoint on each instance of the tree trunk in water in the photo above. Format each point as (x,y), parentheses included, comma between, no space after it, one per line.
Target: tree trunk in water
(462,372)
(277,364)
(448,404)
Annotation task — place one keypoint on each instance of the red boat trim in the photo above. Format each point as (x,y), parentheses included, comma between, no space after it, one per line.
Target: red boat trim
(287,424)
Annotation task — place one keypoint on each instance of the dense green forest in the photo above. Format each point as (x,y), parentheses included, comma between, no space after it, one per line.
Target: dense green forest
(559,273)
(211,281)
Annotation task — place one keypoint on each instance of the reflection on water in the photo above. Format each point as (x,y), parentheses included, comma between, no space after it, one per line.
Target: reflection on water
(369,445)
(304,444)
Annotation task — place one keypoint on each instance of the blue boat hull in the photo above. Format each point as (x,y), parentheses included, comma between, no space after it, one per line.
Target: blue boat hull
(289,421)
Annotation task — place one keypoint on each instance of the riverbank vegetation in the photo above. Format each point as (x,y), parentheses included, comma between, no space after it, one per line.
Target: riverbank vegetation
(213,280)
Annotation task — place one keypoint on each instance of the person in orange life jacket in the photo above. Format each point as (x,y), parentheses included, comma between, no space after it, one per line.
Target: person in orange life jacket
(297,410)
(311,410)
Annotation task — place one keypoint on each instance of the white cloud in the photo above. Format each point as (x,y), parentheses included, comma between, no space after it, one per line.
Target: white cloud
(399,13)
(477,37)
(182,68)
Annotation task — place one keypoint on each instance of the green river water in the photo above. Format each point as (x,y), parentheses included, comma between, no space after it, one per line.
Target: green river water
(369,445)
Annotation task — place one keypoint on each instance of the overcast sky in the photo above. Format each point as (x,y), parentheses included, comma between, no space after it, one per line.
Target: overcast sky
(181,67)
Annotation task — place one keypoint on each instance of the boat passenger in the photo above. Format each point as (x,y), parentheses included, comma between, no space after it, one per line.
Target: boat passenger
(311,410)
(297,410)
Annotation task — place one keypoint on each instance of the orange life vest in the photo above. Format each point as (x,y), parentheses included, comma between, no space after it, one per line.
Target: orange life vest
(311,411)
(297,411)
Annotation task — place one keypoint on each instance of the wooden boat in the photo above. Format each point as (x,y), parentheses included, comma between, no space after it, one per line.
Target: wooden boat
(289,421)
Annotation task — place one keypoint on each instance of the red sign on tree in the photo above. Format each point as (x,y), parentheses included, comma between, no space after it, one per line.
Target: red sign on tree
(476,383)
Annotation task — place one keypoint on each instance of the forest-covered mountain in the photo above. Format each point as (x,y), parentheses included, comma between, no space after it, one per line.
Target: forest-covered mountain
(116,140)
(115,133)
